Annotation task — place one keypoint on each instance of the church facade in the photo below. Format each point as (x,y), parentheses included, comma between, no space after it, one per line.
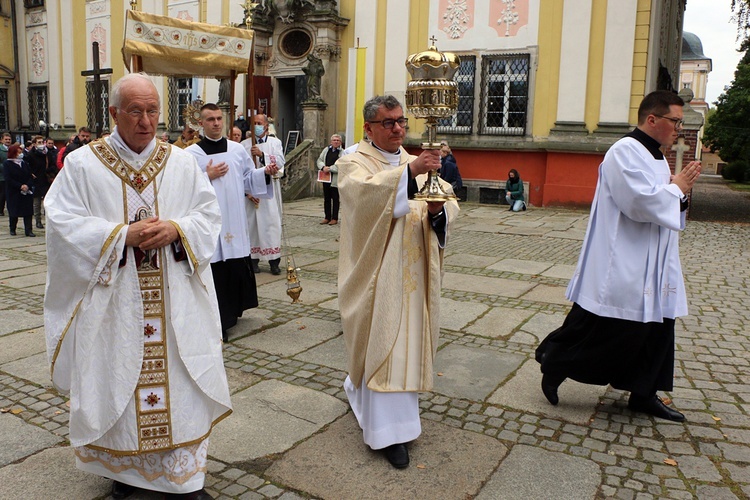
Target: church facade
(546,86)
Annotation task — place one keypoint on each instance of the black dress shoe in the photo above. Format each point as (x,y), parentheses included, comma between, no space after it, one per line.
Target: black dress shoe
(30,234)
(550,383)
(275,270)
(256,268)
(397,455)
(12,232)
(39,225)
(121,490)
(654,406)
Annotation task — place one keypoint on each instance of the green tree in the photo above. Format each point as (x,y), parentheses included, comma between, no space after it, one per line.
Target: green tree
(741,10)
(728,129)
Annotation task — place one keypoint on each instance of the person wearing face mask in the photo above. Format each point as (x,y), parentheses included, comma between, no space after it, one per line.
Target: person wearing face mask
(39,164)
(514,191)
(264,216)
(19,188)
(83,138)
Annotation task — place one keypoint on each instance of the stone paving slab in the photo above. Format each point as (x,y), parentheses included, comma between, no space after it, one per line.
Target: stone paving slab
(16,321)
(483,284)
(21,345)
(468,260)
(542,324)
(252,320)
(560,271)
(529,472)
(11,264)
(331,354)
(472,373)
(270,417)
(571,234)
(332,304)
(578,402)
(292,337)
(20,439)
(336,464)
(313,292)
(456,314)
(323,266)
(239,380)
(521,266)
(52,470)
(34,369)
(548,293)
(482,228)
(16,268)
(499,322)
(27,280)
(523,231)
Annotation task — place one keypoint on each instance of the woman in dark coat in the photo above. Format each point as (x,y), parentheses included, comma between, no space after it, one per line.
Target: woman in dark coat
(19,187)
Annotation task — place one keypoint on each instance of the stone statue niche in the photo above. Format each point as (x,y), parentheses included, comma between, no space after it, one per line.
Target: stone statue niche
(314,72)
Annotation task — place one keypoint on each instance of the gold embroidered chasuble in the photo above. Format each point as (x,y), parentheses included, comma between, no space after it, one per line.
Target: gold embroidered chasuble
(144,437)
(389,276)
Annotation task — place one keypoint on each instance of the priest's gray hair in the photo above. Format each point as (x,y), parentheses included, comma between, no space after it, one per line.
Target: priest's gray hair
(373,105)
(115,97)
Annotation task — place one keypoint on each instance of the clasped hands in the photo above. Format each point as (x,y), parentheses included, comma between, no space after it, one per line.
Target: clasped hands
(151,233)
(687,176)
(221,169)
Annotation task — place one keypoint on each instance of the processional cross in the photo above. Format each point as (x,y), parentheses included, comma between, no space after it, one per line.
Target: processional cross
(96,73)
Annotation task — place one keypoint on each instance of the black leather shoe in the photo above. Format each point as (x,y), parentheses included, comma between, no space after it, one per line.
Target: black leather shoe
(39,225)
(397,455)
(275,270)
(121,490)
(30,234)
(256,269)
(550,383)
(12,232)
(654,406)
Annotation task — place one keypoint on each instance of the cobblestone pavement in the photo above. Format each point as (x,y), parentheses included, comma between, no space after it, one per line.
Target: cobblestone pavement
(505,276)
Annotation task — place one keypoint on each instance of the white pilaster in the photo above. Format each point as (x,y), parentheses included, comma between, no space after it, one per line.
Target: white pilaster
(365,27)
(54,89)
(617,73)
(397,48)
(67,50)
(574,60)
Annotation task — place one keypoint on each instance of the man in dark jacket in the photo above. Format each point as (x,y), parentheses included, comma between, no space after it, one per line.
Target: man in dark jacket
(83,138)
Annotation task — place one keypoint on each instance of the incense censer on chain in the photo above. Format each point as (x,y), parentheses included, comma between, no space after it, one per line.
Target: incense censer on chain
(432,94)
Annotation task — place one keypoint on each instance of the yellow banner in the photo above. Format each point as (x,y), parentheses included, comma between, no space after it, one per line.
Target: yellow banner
(175,47)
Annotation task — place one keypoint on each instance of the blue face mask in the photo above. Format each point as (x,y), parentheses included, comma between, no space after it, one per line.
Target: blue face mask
(259,130)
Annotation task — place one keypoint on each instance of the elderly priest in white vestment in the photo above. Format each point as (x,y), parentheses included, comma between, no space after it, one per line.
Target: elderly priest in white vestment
(390,267)
(628,288)
(130,312)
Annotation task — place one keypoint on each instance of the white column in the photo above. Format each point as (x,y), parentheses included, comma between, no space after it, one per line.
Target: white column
(23,65)
(54,58)
(397,48)
(617,73)
(574,60)
(67,52)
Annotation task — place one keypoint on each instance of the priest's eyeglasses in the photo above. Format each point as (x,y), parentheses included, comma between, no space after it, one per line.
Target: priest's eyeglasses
(389,123)
(137,114)
(678,123)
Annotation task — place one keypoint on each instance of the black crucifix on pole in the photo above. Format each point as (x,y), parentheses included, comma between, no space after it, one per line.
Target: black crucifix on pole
(96,73)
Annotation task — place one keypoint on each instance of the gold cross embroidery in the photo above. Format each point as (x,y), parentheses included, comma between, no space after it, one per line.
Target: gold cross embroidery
(228,238)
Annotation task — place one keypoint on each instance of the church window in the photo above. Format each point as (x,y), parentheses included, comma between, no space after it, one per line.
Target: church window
(296,43)
(504,95)
(91,103)
(462,121)
(180,91)
(30,4)
(37,105)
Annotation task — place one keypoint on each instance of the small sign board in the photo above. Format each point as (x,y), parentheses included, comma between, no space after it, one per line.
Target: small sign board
(292,138)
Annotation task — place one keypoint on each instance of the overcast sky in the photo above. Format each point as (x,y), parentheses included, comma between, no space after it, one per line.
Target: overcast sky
(711,21)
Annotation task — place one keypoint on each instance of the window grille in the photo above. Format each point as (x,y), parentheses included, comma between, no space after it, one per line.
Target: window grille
(37,105)
(505,94)
(462,121)
(91,105)
(30,4)
(180,91)
(4,125)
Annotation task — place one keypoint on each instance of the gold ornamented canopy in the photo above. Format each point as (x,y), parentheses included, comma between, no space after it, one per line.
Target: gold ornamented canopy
(175,47)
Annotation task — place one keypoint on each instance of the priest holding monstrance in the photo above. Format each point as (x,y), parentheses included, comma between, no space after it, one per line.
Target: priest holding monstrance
(130,312)
(390,267)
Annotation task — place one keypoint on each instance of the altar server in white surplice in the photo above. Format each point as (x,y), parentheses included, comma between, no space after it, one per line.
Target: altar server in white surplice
(232,175)
(130,312)
(264,217)
(628,288)
(390,267)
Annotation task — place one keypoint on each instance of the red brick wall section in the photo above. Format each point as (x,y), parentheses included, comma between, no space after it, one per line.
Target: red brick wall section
(691,139)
